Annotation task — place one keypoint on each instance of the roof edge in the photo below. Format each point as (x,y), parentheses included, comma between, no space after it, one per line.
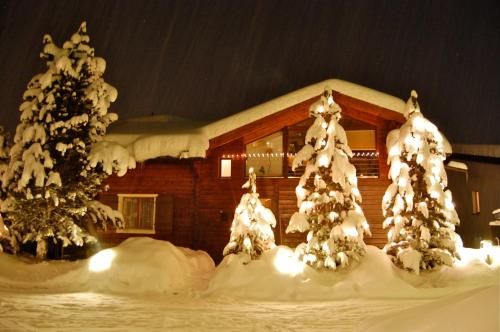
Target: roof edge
(275,105)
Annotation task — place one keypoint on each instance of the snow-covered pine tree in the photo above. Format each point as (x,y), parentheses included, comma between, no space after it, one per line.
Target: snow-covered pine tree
(50,181)
(251,231)
(327,194)
(417,205)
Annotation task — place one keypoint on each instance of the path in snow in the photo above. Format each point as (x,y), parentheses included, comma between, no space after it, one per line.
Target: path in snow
(28,310)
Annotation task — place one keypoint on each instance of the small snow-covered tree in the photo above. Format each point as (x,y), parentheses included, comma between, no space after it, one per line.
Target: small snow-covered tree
(251,231)
(417,205)
(51,182)
(327,194)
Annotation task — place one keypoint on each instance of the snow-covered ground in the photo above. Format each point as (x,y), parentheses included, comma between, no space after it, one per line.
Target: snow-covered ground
(146,284)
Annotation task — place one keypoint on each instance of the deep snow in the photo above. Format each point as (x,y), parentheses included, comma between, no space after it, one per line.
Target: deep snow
(152,285)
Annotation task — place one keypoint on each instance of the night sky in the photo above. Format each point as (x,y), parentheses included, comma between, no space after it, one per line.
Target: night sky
(209,59)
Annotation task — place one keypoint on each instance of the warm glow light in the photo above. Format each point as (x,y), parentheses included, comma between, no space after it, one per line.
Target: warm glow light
(324,125)
(286,262)
(101,261)
(330,100)
(321,109)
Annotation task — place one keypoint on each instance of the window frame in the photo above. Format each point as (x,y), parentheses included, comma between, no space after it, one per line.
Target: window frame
(137,230)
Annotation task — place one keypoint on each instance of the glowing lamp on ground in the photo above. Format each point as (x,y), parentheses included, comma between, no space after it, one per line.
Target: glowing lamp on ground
(102,260)
(286,262)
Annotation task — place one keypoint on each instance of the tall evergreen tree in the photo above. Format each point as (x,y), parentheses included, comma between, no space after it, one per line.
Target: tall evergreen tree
(417,205)
(50,181)
(327,194)
(251,231)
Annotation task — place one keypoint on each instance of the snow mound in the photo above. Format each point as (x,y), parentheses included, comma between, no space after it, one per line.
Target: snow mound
(143,265)
(278,275)
(138,265)
(475,310)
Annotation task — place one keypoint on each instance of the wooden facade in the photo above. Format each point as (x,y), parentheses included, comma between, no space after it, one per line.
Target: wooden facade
(198,205)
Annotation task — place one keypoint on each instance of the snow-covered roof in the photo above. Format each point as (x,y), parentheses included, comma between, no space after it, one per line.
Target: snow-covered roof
(250,115)
(159,136)
(480,150)
(162,135)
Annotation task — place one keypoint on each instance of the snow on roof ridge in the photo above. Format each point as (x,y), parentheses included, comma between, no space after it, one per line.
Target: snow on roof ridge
(255,113)
(481,150)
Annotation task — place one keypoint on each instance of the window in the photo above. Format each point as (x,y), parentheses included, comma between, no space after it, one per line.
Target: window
(138,211)
(361,138)
(225,168)
(266,155)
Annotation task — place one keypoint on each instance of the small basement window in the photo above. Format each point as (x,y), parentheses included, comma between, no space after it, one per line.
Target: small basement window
(266,155)
(225,168)
(139,212)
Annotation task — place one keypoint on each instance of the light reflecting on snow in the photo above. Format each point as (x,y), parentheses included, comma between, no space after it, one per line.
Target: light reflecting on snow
(102,260)
(287,263)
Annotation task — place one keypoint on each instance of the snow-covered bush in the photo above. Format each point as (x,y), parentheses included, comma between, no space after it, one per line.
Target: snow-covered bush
(327,194)
(417,205)
(251,231)
(50,180)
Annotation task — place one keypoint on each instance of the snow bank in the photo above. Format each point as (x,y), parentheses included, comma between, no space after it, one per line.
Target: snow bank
(279,276)
(475,310)
(137,265)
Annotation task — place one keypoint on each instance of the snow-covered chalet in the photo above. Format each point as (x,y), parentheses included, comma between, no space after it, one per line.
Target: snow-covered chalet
(188,177)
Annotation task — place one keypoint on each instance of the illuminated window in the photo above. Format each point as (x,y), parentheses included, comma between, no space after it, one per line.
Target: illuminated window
(225,168)
(361,138)
(266,155)
(138,212)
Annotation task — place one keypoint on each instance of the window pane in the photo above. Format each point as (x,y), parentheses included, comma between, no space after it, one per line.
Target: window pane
(266,155)
(130,212)
(361,139)
(225,168)
(147,213)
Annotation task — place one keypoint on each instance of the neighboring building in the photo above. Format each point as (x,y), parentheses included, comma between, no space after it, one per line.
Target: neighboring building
(189,175)
(474,179)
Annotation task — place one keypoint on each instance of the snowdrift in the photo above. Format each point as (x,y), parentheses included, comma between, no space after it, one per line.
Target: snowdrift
(277,275)
(475,310)
(137,265)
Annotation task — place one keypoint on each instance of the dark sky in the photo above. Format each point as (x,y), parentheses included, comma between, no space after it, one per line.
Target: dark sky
(208,59)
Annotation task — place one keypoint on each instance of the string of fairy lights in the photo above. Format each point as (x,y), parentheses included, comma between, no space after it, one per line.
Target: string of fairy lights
(356,154)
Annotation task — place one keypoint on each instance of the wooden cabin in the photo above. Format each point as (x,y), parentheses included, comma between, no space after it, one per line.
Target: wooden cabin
(186,193)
